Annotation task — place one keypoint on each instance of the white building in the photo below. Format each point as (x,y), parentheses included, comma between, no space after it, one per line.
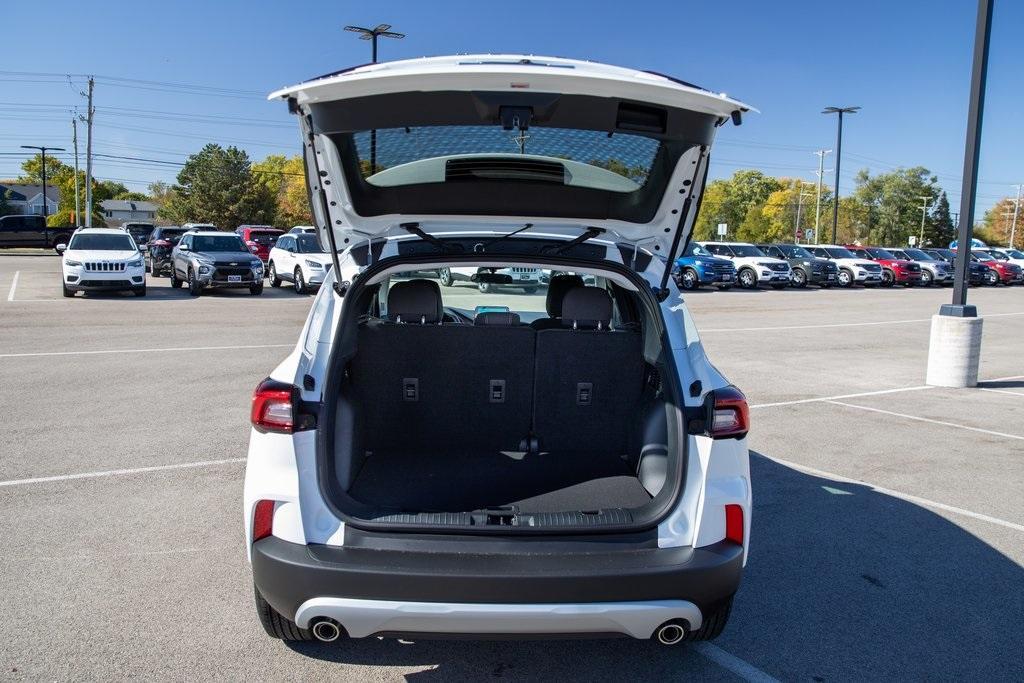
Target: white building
(119,211)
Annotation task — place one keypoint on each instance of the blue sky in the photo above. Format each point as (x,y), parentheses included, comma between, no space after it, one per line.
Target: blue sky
(907,63)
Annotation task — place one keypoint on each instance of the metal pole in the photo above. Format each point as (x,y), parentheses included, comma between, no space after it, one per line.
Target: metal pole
(972,150)
(45,211)
(817,206)
(1016,212)
(839,156)
(74,138)
(88,159)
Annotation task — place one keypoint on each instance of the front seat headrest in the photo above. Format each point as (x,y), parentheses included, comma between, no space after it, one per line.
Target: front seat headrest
(415,301)
(557,288)
(496,319)
(587,307)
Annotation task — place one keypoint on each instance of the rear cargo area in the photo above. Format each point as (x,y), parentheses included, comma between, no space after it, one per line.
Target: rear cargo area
(449,417)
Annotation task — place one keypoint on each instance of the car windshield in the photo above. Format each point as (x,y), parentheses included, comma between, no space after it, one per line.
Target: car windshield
(918,255)
(839,252)
(947,254)
(980,256)
(98,242)
(309,244)
(880,253)
(694,249)
(525,155)
(218,243)
(746,250)
(1014,253)
(794,251)
(899,253)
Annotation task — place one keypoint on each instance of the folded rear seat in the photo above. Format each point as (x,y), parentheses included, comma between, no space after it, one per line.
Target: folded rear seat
(430,386)
(589,378)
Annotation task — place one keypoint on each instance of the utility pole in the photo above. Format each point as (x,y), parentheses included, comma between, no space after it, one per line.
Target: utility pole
(1016,212)
(74,139)
(800,194)
(817,207)
(90,111)
(42,151)
(372,34)
(839,156)
(924,212)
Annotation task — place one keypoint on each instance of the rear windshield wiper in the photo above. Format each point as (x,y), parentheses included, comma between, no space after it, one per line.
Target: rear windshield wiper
(414,229)
(502,238)
(591,233)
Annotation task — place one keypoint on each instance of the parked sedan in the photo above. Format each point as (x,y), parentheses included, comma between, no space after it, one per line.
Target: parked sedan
(215,259)
(159,247)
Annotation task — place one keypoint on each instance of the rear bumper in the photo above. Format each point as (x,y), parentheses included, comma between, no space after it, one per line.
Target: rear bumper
(464,586)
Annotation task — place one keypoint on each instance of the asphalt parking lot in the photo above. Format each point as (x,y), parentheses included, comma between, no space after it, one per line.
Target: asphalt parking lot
(888,528)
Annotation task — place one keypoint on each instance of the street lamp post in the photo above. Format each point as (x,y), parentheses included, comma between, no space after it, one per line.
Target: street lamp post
(839,156)
(372,34)
(42,151)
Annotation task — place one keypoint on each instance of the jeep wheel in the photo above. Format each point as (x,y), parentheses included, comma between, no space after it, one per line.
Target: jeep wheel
(299,282)
(276,625)
(139,291)
(445,275)
(845,278)
(194,288)
(275,281)
(67,292)
(747,278)
(689,280)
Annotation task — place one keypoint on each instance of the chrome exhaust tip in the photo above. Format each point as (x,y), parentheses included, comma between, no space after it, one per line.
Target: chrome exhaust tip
(326,630)
(670,633)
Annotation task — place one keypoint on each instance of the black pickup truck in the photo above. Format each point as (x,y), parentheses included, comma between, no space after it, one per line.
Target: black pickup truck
(31,231)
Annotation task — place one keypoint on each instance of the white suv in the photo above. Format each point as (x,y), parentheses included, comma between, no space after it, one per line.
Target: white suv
(753,266)
(299,259)
(852,269)
(102,259)
(433,461)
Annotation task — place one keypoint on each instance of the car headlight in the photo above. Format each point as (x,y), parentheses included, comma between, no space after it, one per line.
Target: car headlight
(766,272)
(807,263)
(314,264)
(69,262)
(861,272)
(137,263)
(204,269)
(763,263)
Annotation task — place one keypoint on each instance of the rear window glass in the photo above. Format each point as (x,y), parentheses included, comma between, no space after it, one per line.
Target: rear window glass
(264,236)
(97,242)
(625,155)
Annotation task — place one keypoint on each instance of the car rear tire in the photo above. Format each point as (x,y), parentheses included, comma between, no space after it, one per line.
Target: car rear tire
(194,288)
(445,276)
(275,281)
(747,278)
(139,291)
(256,289)
(714,622)
(300,283)
(276,625)
(67,292)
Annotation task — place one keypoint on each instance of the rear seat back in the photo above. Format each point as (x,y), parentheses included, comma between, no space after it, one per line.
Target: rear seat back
(589,378)
(429,385)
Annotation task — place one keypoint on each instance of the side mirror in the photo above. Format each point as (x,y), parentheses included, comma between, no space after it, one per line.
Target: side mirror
(143,247)
(61,248)
(182,247)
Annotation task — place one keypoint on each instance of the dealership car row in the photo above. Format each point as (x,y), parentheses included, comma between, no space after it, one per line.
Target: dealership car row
(199,256)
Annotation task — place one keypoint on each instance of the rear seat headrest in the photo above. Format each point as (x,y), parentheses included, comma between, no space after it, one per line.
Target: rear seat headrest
(415,301)
(557,289)
(587,307)
(496,319)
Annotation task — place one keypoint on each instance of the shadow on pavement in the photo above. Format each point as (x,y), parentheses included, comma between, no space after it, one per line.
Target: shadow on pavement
(843,582)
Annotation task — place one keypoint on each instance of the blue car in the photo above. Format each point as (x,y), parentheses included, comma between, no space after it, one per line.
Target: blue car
(697,266)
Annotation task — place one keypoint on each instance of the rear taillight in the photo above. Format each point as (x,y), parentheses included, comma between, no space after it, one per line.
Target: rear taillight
(733,523)
(730,414)
(160,243)
(253,246)
(273,408)
(263,520)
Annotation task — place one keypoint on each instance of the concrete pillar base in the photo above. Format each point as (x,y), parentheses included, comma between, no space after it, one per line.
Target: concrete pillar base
(954,351)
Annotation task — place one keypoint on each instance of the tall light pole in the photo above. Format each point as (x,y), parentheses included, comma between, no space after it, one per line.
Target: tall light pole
(42,150)
(839,156)
(372,34)
(817,207)
(924,212)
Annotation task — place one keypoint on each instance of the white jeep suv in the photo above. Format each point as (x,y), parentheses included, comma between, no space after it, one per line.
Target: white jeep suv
(753,266)
(431,460)
(102,259)
(527,279)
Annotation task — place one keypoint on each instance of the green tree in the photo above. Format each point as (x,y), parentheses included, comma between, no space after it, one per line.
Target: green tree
(893,202)
(997,223)
(159,192)
(730,201)
(939,230)
(62,176)
(132,196)
(216,186)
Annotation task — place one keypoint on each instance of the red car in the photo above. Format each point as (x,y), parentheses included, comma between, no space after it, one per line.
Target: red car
(260,239)
(894,270)
(998,271)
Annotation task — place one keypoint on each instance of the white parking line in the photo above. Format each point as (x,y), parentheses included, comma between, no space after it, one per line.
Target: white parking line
(726,660)
(1002,391)
(14,286)
(173,349)
(930,421)
(899,494)
(826,399)
(115,473)
(831,325)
